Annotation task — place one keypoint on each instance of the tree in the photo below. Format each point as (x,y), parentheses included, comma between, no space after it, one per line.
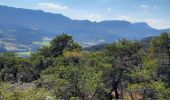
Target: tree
(45,51)
(151,79)
(9,68)
(39,62)
(61,43)
(146,82)
(160,49)
(13,67)
(124,57)
(72,79)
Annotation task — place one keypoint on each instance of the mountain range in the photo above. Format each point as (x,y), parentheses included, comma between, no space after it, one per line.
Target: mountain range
(23,30)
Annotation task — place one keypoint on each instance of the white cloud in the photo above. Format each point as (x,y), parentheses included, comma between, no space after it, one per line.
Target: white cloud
(109,9)
(153,22)
(157,23)
(127,18)
(101,41)
(52,6)
(94,17)
(144,6)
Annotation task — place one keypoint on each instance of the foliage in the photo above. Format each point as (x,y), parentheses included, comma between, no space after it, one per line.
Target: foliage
(78,80)
(63,70)
(8,93)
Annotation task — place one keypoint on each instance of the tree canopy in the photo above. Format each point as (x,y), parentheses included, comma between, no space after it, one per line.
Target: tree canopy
(125,69)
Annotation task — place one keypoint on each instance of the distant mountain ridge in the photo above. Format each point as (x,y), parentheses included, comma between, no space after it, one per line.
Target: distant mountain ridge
(26,30)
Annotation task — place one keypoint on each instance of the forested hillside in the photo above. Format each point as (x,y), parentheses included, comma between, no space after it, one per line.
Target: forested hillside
(124,70)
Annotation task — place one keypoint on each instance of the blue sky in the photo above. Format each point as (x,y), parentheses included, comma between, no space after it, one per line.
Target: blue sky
(155,12)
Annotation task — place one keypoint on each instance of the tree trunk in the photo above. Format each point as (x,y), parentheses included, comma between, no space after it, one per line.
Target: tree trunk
(94,94)
(116,94)
(110,94)
(116,89)
(131,95)
(121,92)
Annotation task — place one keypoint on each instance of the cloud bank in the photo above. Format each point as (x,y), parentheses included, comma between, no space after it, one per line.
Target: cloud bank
(51,6)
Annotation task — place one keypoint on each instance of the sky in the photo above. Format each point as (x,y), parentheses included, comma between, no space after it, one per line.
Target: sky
(155,12)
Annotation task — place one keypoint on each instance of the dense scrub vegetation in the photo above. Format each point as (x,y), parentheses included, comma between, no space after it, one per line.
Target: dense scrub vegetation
(123,70)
